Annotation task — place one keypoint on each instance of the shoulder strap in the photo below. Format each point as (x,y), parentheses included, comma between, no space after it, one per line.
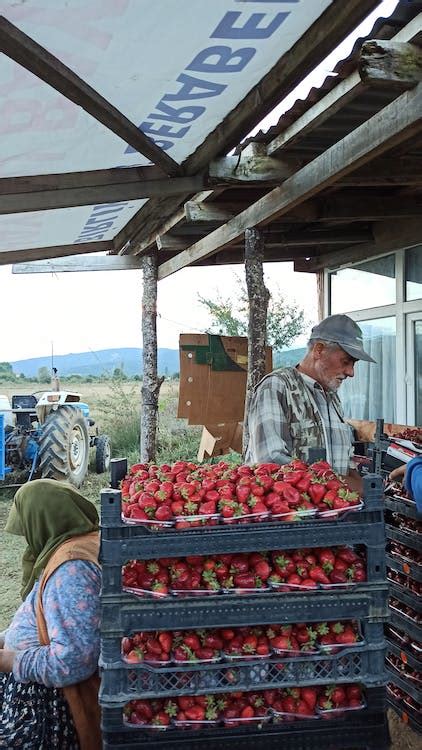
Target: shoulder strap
(83,696)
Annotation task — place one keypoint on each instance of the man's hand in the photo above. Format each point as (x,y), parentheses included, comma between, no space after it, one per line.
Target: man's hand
(6,660)
(398,474)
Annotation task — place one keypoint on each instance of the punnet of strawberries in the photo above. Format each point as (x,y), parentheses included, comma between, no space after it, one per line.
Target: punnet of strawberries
(185,495)
(254,572)
(239,708)
(239,643)
(414,434)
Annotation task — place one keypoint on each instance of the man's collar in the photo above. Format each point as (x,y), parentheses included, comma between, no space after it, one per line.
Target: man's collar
(312,383)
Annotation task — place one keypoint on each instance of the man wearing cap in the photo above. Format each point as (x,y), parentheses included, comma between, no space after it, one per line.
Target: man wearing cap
(297,408)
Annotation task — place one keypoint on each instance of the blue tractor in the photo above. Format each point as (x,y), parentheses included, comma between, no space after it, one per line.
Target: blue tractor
(50,436)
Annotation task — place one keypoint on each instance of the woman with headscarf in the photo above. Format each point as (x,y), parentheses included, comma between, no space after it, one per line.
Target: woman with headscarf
(49,654)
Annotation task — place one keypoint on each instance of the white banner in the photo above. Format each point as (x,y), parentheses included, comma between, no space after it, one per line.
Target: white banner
(176,68)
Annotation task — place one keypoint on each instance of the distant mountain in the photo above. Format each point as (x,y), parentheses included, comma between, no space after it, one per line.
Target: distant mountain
(289,358)
(101,362)
(105,361)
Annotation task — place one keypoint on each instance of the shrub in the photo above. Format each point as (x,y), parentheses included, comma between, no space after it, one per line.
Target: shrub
(120,419)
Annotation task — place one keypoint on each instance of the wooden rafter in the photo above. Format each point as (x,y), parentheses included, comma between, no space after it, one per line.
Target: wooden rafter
(73,263)
(25,51)
(53,251)
(394,124)
(337,98)
(45,192)
(387,237)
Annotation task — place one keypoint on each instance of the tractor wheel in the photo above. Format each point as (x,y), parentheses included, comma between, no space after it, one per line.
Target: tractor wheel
(64,446)
(102,454)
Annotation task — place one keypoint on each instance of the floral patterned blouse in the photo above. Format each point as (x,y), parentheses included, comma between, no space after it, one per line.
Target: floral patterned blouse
(72,610)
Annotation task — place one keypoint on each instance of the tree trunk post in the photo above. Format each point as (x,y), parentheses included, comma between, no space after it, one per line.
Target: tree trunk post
(259,297)
(151,383)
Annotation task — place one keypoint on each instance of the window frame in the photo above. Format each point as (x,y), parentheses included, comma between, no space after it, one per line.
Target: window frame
(401,310)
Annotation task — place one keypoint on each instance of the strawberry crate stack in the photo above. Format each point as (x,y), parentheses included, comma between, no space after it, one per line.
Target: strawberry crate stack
(258,627)
(404,632)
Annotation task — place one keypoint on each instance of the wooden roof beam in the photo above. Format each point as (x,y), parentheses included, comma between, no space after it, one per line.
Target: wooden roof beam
(394,124)
(53,251)
(278,238)
(46,192)
(26,52)
(390,64)
(74,263)
(395,171)
(388,236)
(356,208)
(220,212)
(337,98)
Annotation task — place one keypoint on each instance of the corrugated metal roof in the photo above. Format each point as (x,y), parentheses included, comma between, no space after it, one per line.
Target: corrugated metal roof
(359,110)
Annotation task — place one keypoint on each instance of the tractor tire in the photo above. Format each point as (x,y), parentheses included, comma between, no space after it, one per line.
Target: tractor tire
(102,454)
(64,446)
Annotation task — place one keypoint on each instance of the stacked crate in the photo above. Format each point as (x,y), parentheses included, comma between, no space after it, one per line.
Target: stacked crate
(404,631)
(124,614)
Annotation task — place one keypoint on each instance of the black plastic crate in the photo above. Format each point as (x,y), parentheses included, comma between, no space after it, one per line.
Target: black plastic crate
(401,565)
(408,538)
(408,717)
(405,656)
(406,624)
(404,683)
(364,665)
(404,594)
(126,613)
(366,730)
(121,542)
(404,507)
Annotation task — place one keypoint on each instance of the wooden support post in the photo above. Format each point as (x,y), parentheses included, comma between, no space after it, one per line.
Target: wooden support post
(151,383)
(258,296)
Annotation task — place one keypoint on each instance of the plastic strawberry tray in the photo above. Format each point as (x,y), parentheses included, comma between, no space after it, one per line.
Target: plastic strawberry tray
(407,716)
(405,566)
(406,624)
(121,542)
(406,596)
(403,683)
(366,729)
(407,659)
(409,538)
(403,506)
(408,650)
(363,664)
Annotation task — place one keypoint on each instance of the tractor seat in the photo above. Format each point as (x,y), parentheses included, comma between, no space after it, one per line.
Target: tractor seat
(24,402)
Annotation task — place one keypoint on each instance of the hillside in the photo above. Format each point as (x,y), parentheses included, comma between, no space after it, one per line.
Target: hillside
(99,362)
(105,361)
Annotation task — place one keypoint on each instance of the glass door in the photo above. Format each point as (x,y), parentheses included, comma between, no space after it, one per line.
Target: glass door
(414,369)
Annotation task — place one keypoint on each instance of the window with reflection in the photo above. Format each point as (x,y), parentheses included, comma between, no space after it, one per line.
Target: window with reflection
(371,394)
(369,284)
(414,273)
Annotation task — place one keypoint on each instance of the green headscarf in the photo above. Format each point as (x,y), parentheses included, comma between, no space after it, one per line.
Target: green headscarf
(47,513)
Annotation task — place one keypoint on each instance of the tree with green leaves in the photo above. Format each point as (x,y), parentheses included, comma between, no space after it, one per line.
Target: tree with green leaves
(44,375)
(229,316)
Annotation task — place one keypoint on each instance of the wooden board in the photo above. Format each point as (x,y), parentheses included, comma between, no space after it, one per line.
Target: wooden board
(208,395)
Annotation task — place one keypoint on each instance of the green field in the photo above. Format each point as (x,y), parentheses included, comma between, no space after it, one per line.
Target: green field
(116,408)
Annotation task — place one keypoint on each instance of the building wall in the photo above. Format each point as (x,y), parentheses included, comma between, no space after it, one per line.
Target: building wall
(384,295)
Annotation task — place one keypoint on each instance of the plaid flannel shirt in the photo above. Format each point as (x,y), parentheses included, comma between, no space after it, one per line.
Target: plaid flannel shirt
(283,422)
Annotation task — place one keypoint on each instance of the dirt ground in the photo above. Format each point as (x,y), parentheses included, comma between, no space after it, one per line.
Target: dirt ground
(402,737)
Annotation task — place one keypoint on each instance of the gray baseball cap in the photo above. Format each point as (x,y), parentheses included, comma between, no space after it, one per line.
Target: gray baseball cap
(342,330)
